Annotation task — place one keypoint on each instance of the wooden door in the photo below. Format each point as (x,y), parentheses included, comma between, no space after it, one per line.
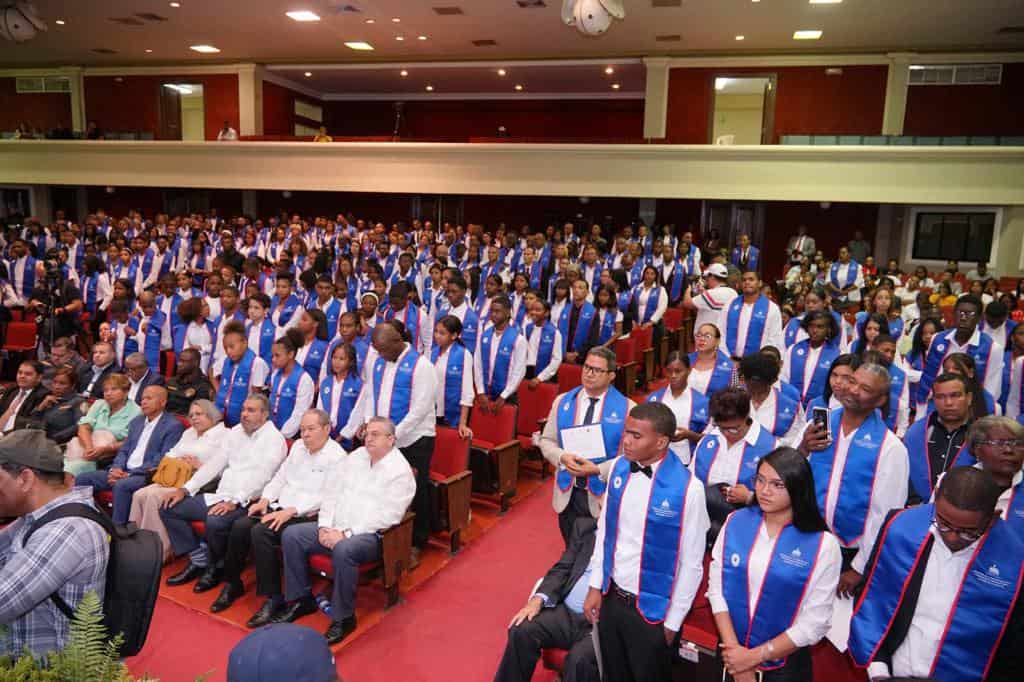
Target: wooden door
(170,114)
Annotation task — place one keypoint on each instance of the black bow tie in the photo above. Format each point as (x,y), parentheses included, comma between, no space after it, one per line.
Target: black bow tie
(634,467)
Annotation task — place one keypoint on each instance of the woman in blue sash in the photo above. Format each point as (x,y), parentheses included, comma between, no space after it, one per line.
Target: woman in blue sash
(260,328)
(196,330)
(313,326)
(839,376)
(291,390)
(874,325)
(711,369)
(815,300)
(340,389)
(608,323)
(543,353)
(559,298)
(998,445)
(238,373)
(650,300)
(914,360)
(453,366)
(880,302)
(808,362)
(773,575)
(689,406)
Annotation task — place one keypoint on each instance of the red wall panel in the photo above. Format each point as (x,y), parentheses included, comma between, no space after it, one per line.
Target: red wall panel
(831,228)
(968,109)
(807,101)
(44,111)
(279,109)
(539,212)
(133,102)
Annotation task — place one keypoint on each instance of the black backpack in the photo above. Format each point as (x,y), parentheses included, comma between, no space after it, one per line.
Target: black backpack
(133,575)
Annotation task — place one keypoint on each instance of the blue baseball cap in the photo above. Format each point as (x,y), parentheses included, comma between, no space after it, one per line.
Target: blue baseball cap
(282,651)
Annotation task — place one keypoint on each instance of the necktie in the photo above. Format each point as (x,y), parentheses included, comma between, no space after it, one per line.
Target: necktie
(574,318)
(12,409)
(588,418)
(646,469)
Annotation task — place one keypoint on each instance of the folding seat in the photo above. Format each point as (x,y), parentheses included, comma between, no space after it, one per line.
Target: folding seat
(494,455)
(451,485)
(569,376)
(534,407)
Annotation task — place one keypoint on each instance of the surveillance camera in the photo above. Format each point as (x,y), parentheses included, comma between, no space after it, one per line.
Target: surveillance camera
(592,18)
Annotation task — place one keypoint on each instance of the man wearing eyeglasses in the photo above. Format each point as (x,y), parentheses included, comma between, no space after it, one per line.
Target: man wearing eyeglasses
(582,476)
(965,337)
(941,600)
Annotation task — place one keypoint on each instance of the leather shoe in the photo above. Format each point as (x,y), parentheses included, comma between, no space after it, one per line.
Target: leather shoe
(227,597)
(186,575)
(339,631)
(295,610)
(210,579)
(264,615)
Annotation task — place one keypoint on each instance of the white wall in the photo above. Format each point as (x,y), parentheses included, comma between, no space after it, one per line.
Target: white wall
(193,116)
(739,115)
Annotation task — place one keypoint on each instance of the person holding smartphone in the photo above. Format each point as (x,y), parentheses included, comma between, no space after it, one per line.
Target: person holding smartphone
(773,575)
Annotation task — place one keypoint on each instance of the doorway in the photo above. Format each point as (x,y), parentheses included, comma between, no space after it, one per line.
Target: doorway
(729,219)
(182,112)
(743,110)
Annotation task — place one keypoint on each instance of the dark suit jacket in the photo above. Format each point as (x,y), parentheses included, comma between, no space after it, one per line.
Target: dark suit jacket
(165,435)
(27,407)
(1009,658)
(559,581)
(151,379)
(85,376)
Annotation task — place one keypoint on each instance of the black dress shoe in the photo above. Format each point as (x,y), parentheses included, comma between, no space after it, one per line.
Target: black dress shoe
(294,610)
(186,575)
(339,631)
(227,597)
(210,579)
(265,615)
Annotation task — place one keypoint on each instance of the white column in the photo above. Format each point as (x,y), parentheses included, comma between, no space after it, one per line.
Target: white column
(896,93)
(250,99)
(656,97)
(77,96)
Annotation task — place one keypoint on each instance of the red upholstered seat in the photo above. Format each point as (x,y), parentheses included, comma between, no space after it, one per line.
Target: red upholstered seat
(321,563)
(554,659)
(534,405)
(451,454)
(569,376)
(105,498)
(491,430)
(184,421)
(167,361)
(495,457)
(625,350)
(451,485)
(21,337)
(673,318)
(643,338)
(198,527)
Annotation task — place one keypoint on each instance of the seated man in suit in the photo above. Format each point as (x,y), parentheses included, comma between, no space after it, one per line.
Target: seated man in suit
(553,616)
(90,379)
(19,401)
(942,595)
(150,436)
(140,375)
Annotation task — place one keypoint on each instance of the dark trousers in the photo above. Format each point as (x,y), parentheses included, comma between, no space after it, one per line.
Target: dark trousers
(123,490)
(797,669)
(579,506)
(557,628)
(177,520)
(632,649)
(418,454)
(300,540)
(248,533)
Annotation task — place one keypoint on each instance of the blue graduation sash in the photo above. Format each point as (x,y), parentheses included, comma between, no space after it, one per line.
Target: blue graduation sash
(596,279)
(849,279)
(675,284)
(534,273)
(545,346)
(647,313)
(624,300)
(1004,394)
(709,446)
(283,392)
(721,375)
(470,328)
(267,334)
(819,376)
(662,533)
(291,304)
(917,362)
(401,390)
(786,409)
(857,479)
(607,328)
(937,352)
(452,381)
(897,379)
(410,317)
(794,556)
(789,334)
(154,336)
(755,327)
(314,361)
(28,280)
(176,299)
(698,418)
(583,322)
(612,420)
(979,614)
(90,287)
(333,314)
(496,378)
(234,386)
(636,274)
(921,474)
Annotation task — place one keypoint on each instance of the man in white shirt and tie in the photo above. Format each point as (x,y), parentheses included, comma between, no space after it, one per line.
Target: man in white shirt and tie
(253,451)
(654,507)
(370,491)
(802,243)
(20,400)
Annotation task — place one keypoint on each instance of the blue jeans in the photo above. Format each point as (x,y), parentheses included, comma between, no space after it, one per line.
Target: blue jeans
(123,490)
(299,541)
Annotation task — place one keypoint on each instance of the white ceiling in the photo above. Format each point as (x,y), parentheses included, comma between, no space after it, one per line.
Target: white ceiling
(258,30)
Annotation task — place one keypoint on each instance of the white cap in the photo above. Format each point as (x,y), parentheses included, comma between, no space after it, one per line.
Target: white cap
(718,270)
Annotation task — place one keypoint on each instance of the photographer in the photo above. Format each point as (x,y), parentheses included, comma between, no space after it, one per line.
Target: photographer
(56,300)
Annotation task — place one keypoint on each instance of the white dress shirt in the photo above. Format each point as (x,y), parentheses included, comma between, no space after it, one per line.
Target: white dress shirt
(441,373)
(629,545)
(726,466)
(810,365)
(1013,406)
(889,492)
(815,612)
(420,421)
(772,334)
(943,572)
(275,316)
(682,408)
(245,465)
(305,394)
(533,348)
(202,447)
(993,379)
(366,498)
(15,407)
(645,295)
(713,307)
(198,336)
(302,480)
(138,455)
(135,386)
(218,350)
(764,414)
(516,364)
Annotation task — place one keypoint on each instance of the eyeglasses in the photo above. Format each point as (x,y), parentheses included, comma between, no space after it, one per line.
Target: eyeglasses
(966,314)
(1002,444)
(704,336)
(775,484)
(965,534)
(590,369)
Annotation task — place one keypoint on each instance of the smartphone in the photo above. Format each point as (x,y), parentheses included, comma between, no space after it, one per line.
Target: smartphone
(819,416)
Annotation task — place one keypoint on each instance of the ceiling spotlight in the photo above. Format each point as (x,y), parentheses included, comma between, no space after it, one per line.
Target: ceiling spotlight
(502,72)
(358,45)
(430,88)
(609,70)
(519,87)
(205,49)
(615,86)
(371,21)
(395,20)
(308,74)
(303,15)
(741,37)
(421,37)
(403,73)
(806,35)
(175,4)
(399,38)
(148,51)
(825,2)
(59,22)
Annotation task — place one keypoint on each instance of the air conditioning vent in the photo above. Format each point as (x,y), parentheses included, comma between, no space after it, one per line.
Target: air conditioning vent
(32,84)
(25,84)
(674,38)
(127,21)
(56,84)
(956,74)
(103,50)
(485,43)
(1010,30)
(149,16)
(447,11)
(666,3)
(531,4)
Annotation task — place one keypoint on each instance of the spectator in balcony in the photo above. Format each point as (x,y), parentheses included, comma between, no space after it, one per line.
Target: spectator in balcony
(859,247)
(802,243)
(227,133)
(322,136)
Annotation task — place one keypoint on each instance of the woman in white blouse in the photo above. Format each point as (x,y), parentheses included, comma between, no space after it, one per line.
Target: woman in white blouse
(198,444)
(773,575)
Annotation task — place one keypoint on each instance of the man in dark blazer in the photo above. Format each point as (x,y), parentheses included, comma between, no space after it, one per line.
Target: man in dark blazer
(141,376)
(92,376)
(150,436)
(745,256)
(553,617)
(19,401)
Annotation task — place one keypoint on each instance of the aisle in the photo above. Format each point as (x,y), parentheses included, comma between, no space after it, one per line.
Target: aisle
(451,627)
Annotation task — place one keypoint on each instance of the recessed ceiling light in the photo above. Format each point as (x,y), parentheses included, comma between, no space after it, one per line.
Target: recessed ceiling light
(609,70)
(615,86)
(59,22)
(502,72)
(807,35)
(395,20)
(421,37)
(825,2)
(303,15)
(358,45)
(403,73)
(741,37)
(518,86)
(205,49)
(148,51)
(399,38)
(308,74)
(430,88)
(174,4)
(371,21)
